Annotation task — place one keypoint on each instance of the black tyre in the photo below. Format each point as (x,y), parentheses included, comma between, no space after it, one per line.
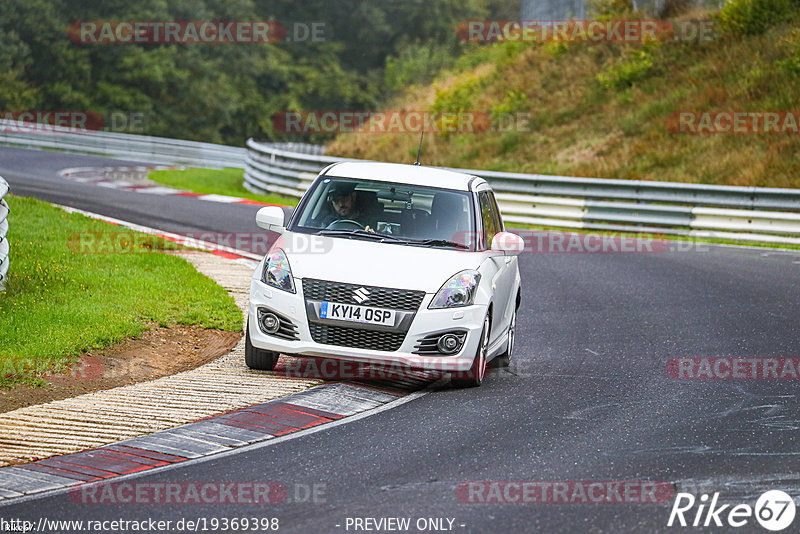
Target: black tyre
(263,360)
(504,359)
(474,377)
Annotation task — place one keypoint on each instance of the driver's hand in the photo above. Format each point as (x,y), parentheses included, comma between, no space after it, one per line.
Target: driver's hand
(368,229)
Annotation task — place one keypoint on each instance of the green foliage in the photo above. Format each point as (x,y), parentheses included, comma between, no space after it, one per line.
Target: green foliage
(789,62)
(226,93)
(790,66)
(14,58)
(510,142)
(459,97)
(752,17)
(515,100)
(556,48)
(417,64)
(610,9)
(633,68)
(499,54)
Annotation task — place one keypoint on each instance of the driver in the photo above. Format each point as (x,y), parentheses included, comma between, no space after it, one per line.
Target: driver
(345,206)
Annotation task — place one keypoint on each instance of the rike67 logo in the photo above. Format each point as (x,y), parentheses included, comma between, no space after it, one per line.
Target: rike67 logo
(774,510)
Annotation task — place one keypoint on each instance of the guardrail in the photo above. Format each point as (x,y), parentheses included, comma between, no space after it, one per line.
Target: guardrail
(744,213)
(756,214)
(285,168)
(144,148)
(4,247)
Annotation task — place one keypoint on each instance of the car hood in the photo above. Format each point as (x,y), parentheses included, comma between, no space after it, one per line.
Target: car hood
(357,261)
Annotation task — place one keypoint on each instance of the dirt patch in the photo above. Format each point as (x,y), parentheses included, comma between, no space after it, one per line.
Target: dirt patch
(157,352)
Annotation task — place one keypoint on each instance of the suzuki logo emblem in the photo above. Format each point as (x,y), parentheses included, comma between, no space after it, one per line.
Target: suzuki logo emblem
(361,295)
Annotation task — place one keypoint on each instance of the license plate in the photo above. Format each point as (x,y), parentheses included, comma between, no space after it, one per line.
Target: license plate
(356,314)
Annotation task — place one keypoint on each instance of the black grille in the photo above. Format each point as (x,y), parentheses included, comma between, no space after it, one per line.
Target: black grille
(380,297)
(356,337)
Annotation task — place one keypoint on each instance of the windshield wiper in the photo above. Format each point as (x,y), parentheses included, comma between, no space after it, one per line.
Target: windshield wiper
(393,238)
(358,233)
(438,243)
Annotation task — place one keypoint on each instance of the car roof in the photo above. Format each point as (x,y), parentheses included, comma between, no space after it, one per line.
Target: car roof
(407,174)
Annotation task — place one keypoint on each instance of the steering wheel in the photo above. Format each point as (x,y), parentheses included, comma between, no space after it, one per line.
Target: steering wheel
(345,224)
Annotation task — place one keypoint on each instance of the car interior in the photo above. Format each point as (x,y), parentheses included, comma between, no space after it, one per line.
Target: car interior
(400,210)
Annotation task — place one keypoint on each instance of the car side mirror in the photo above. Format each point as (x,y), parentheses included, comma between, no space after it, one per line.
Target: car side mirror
(271,218)
(508,243)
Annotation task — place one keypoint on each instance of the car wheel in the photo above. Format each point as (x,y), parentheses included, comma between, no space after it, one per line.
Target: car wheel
(477,371)
(263,360)
(505,359)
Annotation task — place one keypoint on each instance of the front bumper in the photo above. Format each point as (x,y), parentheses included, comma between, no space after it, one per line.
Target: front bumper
(293,307)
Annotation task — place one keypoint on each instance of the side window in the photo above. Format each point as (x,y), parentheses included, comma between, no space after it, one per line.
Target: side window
(498,220)
(488,217)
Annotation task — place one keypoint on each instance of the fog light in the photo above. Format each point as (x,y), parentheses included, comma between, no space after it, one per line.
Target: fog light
(270,323)
(448,344)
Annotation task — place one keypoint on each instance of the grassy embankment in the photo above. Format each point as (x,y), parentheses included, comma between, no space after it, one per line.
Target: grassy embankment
(603,109)
(61,300)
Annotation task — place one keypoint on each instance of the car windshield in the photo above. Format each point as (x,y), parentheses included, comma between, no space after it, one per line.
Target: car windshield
(388,212)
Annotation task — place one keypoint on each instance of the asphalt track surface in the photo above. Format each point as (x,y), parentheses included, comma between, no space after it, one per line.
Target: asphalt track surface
(587,397)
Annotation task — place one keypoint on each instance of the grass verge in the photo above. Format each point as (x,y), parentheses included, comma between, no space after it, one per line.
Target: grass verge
(61,301)
(227,181)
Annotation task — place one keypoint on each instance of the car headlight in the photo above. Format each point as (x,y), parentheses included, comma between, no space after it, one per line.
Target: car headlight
(458,291)
(277,272)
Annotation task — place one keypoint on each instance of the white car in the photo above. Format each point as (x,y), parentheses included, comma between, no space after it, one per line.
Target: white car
(388,263)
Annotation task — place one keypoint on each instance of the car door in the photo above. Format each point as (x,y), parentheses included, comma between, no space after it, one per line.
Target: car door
(502,267)
(510,274)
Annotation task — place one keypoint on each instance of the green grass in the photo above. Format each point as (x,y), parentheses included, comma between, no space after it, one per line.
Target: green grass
(61,301)
(227,182)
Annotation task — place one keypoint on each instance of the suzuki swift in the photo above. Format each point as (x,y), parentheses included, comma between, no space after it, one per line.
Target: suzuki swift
(388,263)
